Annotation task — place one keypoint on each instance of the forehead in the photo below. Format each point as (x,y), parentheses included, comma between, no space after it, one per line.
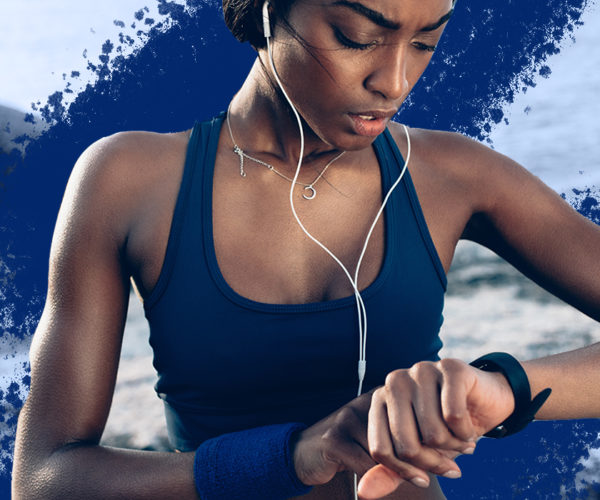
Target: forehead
(399,12)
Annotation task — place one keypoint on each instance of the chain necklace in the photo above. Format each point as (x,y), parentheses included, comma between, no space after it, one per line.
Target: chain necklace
(309,189)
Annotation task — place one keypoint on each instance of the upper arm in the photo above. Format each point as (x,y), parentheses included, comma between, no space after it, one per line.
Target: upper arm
(527,223)
(75,350)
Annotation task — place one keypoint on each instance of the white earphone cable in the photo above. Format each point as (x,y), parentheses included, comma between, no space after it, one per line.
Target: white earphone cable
(360,306)
(361,310)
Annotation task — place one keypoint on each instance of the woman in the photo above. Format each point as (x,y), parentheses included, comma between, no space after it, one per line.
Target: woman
(269,335)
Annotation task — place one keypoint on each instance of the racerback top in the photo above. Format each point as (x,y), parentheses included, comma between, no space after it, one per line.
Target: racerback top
(227,363)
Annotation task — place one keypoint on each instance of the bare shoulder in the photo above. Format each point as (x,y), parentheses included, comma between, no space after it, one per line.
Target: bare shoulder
(467,167)
(451,149)
(119,176)
(129,161)
(468,190)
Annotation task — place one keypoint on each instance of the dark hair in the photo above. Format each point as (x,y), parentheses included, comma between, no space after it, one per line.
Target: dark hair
(244,18)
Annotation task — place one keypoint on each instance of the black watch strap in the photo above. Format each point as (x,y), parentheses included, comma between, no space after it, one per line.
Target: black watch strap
(525,407)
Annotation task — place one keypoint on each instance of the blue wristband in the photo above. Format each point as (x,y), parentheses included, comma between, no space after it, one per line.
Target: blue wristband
(249,465)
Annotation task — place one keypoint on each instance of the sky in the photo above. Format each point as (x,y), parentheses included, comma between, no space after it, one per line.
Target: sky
(41,41)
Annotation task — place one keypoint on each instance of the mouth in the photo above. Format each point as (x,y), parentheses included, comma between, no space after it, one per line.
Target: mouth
(375,114)
(370,123)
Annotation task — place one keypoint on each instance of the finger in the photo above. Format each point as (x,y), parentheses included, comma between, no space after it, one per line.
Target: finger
(356,425)
(353,457)
(408,447)
(378,482)
(348,445)
(434,430)
(457,383)
(381,447)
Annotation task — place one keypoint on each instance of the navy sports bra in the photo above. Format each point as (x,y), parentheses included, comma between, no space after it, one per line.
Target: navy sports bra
(227,363)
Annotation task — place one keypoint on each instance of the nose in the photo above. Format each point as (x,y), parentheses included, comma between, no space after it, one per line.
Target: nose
(388,76)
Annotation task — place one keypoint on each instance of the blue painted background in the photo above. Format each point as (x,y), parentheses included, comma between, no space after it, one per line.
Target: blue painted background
(490,51)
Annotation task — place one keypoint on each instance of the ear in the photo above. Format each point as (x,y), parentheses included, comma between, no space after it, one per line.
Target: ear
(266,19)
(264,26)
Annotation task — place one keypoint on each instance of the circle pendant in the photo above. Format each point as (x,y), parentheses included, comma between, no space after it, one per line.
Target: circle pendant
(311,193)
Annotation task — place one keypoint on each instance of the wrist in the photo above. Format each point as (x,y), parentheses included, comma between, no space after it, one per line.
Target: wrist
(505,394)
(525,407)
(249,465)
(296,454)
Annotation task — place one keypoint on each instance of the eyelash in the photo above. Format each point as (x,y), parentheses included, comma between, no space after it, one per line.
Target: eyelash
(351,44)
(424,47)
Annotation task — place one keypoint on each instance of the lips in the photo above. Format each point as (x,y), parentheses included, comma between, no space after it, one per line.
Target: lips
(370,123)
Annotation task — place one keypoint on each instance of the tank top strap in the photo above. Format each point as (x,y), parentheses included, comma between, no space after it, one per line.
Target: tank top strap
(199,146)
(392,155)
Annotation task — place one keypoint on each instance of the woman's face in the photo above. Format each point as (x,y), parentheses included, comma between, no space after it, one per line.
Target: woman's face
(357,62)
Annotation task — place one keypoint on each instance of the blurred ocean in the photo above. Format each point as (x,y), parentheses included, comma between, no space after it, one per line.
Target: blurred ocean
(553,130)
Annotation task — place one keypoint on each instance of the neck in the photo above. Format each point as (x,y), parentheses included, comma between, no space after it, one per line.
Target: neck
(263,123)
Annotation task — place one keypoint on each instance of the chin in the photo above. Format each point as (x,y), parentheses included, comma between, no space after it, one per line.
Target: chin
(344,138)
(354,142)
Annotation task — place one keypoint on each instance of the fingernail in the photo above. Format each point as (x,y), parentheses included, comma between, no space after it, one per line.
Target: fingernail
(468,451)
(452,474)
(420,482)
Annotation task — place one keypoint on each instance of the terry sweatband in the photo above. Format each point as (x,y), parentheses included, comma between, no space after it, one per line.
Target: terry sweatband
(249,465)
(525,407)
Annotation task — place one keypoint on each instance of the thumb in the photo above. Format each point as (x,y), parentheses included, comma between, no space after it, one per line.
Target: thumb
(378,482)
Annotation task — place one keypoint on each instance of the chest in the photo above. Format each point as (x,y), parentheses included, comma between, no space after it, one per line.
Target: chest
(227,333)
(263,253)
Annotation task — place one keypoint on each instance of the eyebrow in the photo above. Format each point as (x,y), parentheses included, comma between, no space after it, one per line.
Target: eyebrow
(379,19)
(442,20)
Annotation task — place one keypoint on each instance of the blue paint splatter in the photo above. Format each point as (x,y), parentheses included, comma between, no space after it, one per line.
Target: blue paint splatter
(586,202)
(545,71)
(486,56)
(540,462)
(490,52)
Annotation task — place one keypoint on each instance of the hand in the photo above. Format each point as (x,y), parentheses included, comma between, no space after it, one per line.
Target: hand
(427,415)
(339,443)
(334,444)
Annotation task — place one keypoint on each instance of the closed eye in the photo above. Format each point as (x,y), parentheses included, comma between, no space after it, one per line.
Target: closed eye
(424,47)
(351,44)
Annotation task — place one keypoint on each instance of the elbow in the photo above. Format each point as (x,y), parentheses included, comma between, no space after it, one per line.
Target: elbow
(39,473)
(35,478)
(30,483)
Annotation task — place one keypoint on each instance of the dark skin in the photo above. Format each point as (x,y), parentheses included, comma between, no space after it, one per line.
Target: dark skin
(114,225)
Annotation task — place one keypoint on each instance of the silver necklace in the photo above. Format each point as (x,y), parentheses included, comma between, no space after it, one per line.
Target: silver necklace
(309,189)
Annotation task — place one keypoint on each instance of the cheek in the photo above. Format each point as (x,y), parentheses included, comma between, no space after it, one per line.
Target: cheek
(313,77)
(315,70)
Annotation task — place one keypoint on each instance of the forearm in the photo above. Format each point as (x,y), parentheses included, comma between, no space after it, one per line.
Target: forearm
(92,472)
(574,378)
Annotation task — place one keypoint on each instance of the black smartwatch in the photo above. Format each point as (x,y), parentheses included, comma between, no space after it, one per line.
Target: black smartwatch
(525,407)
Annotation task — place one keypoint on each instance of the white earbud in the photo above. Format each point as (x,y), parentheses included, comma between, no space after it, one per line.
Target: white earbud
(266,21)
